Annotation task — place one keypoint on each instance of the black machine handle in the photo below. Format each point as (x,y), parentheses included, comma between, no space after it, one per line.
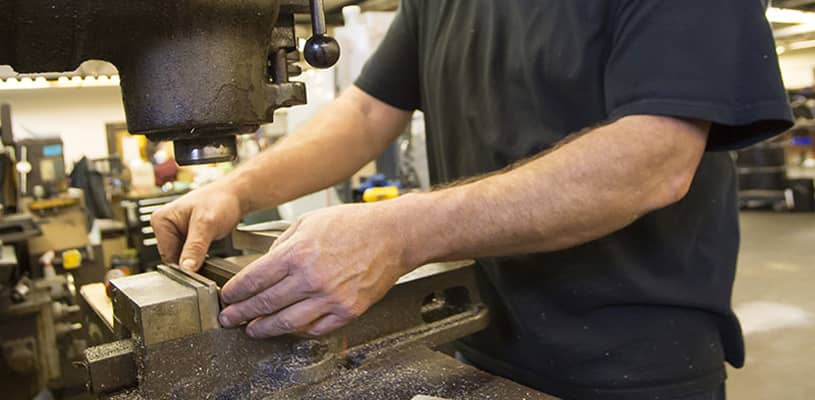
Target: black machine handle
(322,51)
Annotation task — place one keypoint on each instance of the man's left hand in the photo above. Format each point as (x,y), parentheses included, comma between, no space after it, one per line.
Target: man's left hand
(324,271)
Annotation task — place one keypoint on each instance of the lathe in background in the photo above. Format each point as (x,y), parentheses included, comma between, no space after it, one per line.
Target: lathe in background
(45,256)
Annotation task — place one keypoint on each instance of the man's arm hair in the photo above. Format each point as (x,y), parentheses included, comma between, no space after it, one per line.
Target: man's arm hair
(595,183)
(344,136)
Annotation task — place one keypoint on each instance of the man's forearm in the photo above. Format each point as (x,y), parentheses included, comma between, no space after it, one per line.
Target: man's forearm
(314,281)
(332,146)
(586,189)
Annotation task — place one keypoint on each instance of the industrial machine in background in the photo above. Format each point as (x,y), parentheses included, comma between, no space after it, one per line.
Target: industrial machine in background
(43,250)
(196,72)
(777,174)
(42,338)
(44,174)
(765,181)
(42,334)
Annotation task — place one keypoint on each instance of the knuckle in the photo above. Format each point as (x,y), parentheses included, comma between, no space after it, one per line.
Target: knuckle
(354,312)
(285,324)
(302,219)
(302,259)
(206,218)
(228,295)
(196,246)
(266,302)
(161,211)
(304,249)
(236,315)
(327,325)
(165,257)
(314,282)
(158,219)
(348,308)
(232,294)
(199,212)
(315,332)
(253,286)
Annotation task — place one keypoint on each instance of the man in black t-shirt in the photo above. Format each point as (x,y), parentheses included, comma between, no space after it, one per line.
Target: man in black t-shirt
(607,256)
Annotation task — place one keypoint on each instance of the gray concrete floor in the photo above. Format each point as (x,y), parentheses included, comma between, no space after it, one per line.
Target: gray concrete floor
(775,300)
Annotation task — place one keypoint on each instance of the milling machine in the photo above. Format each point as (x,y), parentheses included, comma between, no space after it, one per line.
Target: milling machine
(196,72)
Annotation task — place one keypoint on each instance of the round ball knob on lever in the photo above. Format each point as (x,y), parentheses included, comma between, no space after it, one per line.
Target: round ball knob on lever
(322,51)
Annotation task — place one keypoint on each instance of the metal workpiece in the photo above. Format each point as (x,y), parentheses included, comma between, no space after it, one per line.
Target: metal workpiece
(220,270)
(155,308)
(166,304)
(209,304)
(194,71)
(258,237)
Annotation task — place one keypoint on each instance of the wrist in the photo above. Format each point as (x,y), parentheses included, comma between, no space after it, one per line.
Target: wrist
(419,222)
(236,185)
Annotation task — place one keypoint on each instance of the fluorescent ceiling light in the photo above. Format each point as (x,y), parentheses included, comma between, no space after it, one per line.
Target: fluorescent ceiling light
(788,16)
(806,44)
(28,82)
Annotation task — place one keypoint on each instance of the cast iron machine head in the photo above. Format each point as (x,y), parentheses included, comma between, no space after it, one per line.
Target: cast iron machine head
(196,72)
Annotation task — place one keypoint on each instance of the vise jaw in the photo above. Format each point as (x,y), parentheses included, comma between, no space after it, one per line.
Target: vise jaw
(149,309)
(164,305)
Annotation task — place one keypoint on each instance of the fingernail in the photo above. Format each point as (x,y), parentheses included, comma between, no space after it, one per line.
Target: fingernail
(188,264)
(224,320)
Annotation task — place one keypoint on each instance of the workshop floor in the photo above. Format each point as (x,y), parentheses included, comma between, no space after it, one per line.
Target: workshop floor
(775,300)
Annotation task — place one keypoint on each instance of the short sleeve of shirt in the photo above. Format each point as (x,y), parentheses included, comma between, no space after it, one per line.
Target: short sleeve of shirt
(392,72)
(713,60)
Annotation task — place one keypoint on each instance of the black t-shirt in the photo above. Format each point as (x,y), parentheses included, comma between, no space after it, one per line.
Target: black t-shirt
(644,312)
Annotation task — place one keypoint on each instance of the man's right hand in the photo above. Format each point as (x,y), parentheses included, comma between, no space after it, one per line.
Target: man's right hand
(186,227)
(338,141)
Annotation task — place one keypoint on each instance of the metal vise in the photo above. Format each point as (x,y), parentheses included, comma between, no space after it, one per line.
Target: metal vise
(173,348)
(197,72)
